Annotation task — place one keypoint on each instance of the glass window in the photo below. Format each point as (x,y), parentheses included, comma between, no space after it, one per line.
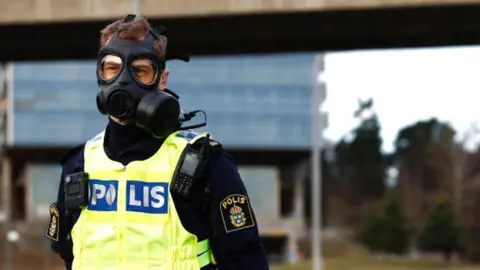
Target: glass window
(41,179)
(258,182)
(251,101)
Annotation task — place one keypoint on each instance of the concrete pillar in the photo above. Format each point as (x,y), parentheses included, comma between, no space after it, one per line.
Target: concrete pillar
(296,228)
(6,114)
(6,185)
(292,249)
(299,196)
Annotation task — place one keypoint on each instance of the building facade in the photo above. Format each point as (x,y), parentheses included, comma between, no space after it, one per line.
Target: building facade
(251,101)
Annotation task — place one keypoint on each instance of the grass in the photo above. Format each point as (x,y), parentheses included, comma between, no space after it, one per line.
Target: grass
(355,260)
(338,256)
(352,260)
(343,255)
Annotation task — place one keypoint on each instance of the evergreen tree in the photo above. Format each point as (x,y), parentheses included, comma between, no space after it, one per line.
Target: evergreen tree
(441,232)
(359,163)
(385,227)
(396,227)
(370,232)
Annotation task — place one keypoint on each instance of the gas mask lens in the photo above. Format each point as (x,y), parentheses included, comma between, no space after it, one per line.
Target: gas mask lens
(144,70)
(110,66)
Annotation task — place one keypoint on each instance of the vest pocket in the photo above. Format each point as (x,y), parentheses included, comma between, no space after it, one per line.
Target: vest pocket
(145,242)
(100,244)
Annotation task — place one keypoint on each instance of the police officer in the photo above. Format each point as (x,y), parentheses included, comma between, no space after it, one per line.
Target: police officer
(147,193)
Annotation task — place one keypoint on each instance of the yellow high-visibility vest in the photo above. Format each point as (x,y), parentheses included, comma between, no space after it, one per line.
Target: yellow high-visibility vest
(131,222)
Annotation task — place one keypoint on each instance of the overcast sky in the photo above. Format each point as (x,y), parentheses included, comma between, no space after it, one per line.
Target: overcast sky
(407,85)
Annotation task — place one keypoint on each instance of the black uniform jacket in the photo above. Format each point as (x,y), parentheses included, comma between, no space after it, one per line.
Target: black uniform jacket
(233,247)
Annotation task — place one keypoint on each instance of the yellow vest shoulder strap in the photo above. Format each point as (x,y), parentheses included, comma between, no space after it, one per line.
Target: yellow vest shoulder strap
(179,137)
(96,141)
(189,136)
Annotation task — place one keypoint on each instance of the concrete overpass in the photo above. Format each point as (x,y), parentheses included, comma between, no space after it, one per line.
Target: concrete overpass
(31,11)
(57,29)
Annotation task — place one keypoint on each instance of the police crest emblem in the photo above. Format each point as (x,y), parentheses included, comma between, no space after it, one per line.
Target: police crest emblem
(237,217)
(53,226)
(236,213)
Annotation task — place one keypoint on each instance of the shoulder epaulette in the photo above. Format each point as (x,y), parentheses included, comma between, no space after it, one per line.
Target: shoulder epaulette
(71,152)
(212,143)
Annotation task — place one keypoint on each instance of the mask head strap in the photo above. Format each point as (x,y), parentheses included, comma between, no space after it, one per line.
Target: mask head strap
(156,33)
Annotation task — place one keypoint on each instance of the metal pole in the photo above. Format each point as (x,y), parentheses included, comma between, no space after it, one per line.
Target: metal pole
(316,126)
(136,7)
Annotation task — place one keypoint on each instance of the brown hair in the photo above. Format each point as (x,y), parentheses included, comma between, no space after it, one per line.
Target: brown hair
(138,29)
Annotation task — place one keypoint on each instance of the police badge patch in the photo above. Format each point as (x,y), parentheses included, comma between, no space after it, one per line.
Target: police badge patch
(236,213)
(53,227)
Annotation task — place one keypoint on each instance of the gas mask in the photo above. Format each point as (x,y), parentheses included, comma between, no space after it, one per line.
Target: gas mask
(128,74)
